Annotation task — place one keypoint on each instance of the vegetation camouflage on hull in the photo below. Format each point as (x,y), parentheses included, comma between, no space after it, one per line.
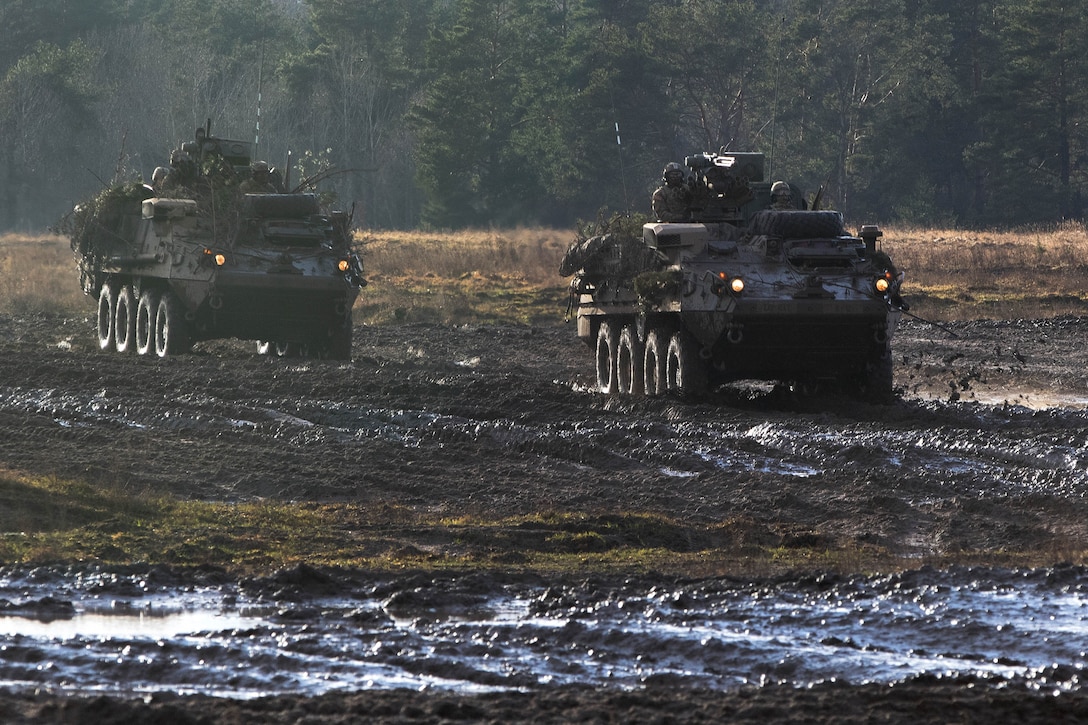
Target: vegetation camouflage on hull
(736,290)
(208,260)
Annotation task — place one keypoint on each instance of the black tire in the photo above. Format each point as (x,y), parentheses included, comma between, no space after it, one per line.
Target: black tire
(107,316)
(654,380)
(287,349)
(629,379)
(339,347)
(879,386)
(798,224)
(605,358)
(279,348)
(171,329)
(685,371)
(124,327)
(146,311)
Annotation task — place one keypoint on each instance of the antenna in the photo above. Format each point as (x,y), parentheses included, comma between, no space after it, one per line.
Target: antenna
(623,177)
(260,87)
(774,107)
(619,148)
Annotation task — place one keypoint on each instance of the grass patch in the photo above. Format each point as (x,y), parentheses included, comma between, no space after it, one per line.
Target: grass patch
(479,276)
(1033,272)
(50,521)
(38,275)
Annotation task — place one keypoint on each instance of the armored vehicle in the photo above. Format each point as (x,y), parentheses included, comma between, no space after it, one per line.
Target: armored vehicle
(737,290)
(206,260)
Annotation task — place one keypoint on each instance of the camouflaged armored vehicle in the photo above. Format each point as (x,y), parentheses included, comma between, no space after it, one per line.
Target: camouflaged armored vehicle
(208,261)
(738,291)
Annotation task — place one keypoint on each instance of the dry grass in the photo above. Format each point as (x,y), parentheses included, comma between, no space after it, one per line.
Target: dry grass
(38,275)
(954,274)
(460,277)
(511,275)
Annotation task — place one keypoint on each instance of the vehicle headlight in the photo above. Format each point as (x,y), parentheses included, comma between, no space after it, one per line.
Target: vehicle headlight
(217,258)
(882,285)
(725,282)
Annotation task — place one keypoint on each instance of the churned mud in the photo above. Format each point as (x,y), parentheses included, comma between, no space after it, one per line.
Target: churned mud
(984,454)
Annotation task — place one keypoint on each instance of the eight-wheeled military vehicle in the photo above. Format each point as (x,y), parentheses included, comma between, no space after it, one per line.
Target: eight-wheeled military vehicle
(737,291)
(207,260)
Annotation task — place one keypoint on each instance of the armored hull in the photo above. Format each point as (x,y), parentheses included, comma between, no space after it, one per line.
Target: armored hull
(752,293)
(272,268)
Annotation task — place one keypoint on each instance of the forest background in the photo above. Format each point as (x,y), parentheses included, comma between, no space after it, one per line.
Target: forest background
(447,114)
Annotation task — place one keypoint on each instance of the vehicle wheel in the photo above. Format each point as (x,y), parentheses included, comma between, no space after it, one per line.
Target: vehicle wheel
(107,307)
(606,358)
(146,310)
(287,349)
(171,330)
(124,327)
(339,347)
(685,372)
(629,362)
(879,386)
(654,381)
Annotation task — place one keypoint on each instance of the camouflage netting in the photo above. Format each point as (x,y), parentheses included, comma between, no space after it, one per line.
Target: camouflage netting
(611,250)
(93,226)
(657,286)
(100,227)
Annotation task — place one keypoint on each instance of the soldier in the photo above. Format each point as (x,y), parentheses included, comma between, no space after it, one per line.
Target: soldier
(182,175)
(781,196)
(671,200)
(158,176)
(259,181)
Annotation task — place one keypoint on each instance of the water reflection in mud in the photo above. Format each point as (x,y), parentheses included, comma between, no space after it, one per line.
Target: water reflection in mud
(467,637)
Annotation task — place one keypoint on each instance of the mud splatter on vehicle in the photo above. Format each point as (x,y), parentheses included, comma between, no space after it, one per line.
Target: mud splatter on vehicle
(734,289)
(203,258)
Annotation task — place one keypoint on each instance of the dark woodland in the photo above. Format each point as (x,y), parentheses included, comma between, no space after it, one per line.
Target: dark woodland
(466,113)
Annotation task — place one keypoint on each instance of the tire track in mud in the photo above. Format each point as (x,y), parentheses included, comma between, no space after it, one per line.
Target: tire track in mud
(464,417)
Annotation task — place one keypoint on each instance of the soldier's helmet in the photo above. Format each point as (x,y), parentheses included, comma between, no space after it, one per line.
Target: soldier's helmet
(260,171)
(672,174)
(780,191)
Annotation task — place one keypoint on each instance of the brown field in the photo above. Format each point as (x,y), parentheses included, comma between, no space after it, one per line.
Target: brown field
(511,274)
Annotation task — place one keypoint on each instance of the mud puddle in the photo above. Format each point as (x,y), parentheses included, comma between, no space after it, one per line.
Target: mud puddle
(108,634)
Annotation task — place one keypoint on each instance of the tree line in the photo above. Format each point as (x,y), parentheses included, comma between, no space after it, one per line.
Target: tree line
(455,113)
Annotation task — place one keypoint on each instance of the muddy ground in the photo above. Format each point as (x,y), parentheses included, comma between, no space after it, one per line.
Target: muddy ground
(983,456)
